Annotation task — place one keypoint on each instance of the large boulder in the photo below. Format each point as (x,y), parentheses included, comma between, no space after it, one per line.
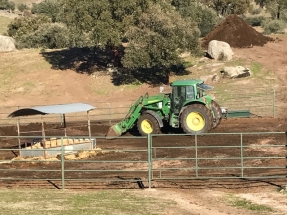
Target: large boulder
(235,72)
(219,50)
(7,44)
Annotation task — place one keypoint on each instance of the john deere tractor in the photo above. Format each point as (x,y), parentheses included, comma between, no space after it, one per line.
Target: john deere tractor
(187,106)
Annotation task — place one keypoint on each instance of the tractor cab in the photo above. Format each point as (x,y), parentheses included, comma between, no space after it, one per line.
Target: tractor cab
(186,91)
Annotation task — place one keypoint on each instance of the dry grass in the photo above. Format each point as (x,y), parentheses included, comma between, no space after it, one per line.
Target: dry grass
(34,202)
(4,22)
(13,64)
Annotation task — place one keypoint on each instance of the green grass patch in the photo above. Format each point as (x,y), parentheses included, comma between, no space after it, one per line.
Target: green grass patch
(100,92)
(4,22)
(187,64)
(28,84)
(237,62)
(256,68)
(248,205)
(34,202)
(132,86)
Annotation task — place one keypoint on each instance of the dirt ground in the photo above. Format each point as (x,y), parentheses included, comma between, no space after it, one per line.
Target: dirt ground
(192,196)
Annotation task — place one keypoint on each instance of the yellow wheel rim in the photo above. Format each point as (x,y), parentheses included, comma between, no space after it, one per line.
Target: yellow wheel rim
(146,126)
(195,121)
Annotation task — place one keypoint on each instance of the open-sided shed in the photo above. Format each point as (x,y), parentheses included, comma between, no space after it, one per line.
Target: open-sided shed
(62,109)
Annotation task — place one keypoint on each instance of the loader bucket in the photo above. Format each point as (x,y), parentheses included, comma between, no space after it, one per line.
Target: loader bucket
(114,131)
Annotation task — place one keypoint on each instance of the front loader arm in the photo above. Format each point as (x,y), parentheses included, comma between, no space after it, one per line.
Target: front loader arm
(129,121)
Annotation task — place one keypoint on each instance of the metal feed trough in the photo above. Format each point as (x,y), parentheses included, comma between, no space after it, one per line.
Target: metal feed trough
(235,113)
(53,146)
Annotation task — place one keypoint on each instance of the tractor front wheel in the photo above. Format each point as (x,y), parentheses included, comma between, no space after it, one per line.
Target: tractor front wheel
(196,119)
(147,124)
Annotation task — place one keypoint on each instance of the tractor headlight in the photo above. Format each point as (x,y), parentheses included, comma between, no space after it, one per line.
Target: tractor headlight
(160,105)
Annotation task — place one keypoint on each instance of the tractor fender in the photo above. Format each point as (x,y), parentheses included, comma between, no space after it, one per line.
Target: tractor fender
(186,105)
(155,115)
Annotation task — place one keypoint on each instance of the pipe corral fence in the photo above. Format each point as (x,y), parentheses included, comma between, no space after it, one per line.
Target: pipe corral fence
(261,102)
(148,161)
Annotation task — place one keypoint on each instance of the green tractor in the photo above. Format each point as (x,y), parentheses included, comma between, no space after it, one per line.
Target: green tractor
(187,107)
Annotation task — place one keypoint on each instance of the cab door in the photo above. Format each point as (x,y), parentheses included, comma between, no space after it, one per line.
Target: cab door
(178,98)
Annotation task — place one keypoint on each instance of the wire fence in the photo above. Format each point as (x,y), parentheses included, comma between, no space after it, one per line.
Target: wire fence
(261,102)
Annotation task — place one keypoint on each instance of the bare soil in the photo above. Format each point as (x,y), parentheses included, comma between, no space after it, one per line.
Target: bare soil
(194,196)
(237,33)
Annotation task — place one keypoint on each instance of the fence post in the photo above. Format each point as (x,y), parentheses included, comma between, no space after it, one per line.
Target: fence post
(18,118)
(149,160)
(110,114)
(241,155)
(62,163)
(285,187)
(196,156)
(61,119)
(274,103)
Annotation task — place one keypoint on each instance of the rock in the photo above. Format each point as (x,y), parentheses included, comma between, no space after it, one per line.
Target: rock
(7,44)
(235,72)
(220,50)
(208,78)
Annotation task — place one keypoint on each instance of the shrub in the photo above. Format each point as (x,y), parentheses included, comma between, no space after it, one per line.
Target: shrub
(50,35)
(273,26)
(39,31)
(7,5)
(255,20)
(46,35)
(207,19)
(256,11)
(21,7)
(283,15)
(26,25)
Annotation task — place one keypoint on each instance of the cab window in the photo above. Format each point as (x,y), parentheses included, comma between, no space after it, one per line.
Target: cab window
(189,92)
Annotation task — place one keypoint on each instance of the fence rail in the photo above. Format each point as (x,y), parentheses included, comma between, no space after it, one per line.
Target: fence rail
(256,155)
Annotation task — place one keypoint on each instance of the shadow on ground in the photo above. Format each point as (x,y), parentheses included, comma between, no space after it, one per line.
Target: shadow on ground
(81,60)
(152,76)
(96,61)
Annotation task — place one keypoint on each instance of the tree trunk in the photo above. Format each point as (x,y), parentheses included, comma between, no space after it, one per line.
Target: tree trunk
(278,12)
(166,81)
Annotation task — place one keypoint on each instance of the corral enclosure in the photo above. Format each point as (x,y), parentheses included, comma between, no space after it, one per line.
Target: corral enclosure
(238,152)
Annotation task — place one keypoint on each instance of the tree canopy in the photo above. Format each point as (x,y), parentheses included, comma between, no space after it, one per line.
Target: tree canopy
(156,33)
(225,7)
(48,8)
(158,39)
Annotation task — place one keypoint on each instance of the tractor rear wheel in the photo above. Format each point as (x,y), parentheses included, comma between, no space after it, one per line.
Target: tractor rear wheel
(217,114)
(148,124)
(196,119)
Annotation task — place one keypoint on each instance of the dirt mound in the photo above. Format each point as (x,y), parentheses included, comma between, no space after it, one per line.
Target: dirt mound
(237,33)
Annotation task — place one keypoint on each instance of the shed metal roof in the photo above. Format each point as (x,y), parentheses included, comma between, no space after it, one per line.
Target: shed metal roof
(52,109)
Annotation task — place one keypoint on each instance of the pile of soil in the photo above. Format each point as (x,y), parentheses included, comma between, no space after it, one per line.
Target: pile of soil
(237,33)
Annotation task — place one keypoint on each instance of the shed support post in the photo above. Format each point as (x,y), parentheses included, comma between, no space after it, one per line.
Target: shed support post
(89,128)
(19,140)
(43,137)
(65,126)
